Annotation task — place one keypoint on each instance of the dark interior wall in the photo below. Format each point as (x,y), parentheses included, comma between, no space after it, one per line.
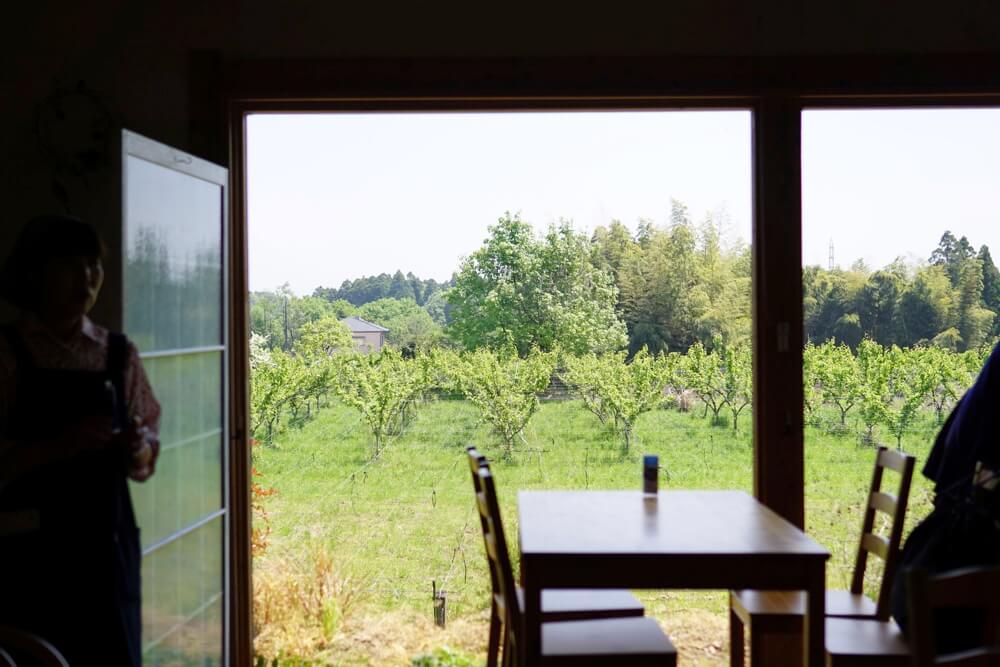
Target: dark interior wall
(134,54)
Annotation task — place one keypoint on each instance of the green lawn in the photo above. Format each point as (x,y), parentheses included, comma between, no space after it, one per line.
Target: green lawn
(395,524)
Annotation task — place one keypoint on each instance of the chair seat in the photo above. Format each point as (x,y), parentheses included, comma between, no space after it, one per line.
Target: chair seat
(579,604)
(616,641)
(863,643)
(764,606)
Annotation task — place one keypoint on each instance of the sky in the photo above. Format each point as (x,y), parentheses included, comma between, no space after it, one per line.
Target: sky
(338,196)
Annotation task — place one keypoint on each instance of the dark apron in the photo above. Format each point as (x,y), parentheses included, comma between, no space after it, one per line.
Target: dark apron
(71,572)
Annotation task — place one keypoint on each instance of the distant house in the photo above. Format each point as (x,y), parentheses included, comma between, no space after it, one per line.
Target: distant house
(367,336)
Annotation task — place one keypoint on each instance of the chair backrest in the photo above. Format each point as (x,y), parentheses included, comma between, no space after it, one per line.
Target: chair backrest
(496,551)
(476,460)
(30,647)
(975,589)
(894,506)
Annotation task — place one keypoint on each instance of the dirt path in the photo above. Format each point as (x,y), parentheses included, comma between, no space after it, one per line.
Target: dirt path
(392,639)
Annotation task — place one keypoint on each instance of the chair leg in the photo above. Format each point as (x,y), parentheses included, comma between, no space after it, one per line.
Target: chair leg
(493,648)
(736,643)
(506,654)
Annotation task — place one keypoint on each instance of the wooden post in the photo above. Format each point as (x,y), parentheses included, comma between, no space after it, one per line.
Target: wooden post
(779,457)
(779,476)
(440,599)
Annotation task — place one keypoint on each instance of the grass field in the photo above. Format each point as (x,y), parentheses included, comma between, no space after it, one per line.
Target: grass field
(356,542)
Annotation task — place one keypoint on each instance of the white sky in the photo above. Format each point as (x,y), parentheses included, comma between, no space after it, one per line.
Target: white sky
(888,183)
(339,196)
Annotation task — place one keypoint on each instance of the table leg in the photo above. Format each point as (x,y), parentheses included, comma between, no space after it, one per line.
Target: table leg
(814,641)
(736,639)
(531,647)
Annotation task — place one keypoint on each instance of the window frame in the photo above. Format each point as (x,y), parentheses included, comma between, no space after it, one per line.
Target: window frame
(776,89)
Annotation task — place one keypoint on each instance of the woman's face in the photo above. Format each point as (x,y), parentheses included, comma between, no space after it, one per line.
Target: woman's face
(70,285)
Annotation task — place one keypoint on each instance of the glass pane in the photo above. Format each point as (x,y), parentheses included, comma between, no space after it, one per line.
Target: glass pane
(650,216)
(173,284)
(902,297)
(188,481)
(189,388)
(187,486)
(182,600)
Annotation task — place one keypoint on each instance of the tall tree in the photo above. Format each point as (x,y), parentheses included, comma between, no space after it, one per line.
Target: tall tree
(831,301)
(612,244)
(528,292)
(401,288)
(991,287)
(952,254)
(657,286)
(679,214)
(974,322)
(926,306)
(877,302)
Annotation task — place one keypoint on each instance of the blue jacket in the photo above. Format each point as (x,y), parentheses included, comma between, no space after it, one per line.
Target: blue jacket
(971,433)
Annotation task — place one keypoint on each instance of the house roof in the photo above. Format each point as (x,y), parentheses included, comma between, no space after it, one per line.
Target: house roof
(358,325)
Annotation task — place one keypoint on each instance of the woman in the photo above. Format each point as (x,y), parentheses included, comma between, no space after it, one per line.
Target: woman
(77,417)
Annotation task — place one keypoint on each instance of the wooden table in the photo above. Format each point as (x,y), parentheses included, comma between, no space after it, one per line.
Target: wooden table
(677,539)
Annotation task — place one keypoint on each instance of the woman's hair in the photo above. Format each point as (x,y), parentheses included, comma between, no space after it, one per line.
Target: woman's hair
(42,239)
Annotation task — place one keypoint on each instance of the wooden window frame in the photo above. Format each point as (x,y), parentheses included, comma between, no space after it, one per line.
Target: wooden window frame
(776,89)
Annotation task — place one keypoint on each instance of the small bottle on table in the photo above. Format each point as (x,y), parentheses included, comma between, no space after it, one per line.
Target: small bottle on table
(650,470)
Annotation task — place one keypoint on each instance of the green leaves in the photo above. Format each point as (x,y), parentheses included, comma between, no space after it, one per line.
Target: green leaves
(839,378)
(721,378)
(621,391)
(383,387)
(503,387)
(527,292)
(702,373)
(908,382)
(891,385)
(682,284)
(322,338)
(276,380)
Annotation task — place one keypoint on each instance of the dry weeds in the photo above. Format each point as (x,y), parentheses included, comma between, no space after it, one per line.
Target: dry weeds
(306,614)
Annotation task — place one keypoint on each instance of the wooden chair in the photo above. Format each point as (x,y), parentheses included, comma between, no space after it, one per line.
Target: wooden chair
(636,641)
(781,612)
(975,589)
(29,649)
(852,642)
(557,605)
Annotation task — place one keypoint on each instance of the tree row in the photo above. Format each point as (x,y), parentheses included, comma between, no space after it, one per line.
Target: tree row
(884,390)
